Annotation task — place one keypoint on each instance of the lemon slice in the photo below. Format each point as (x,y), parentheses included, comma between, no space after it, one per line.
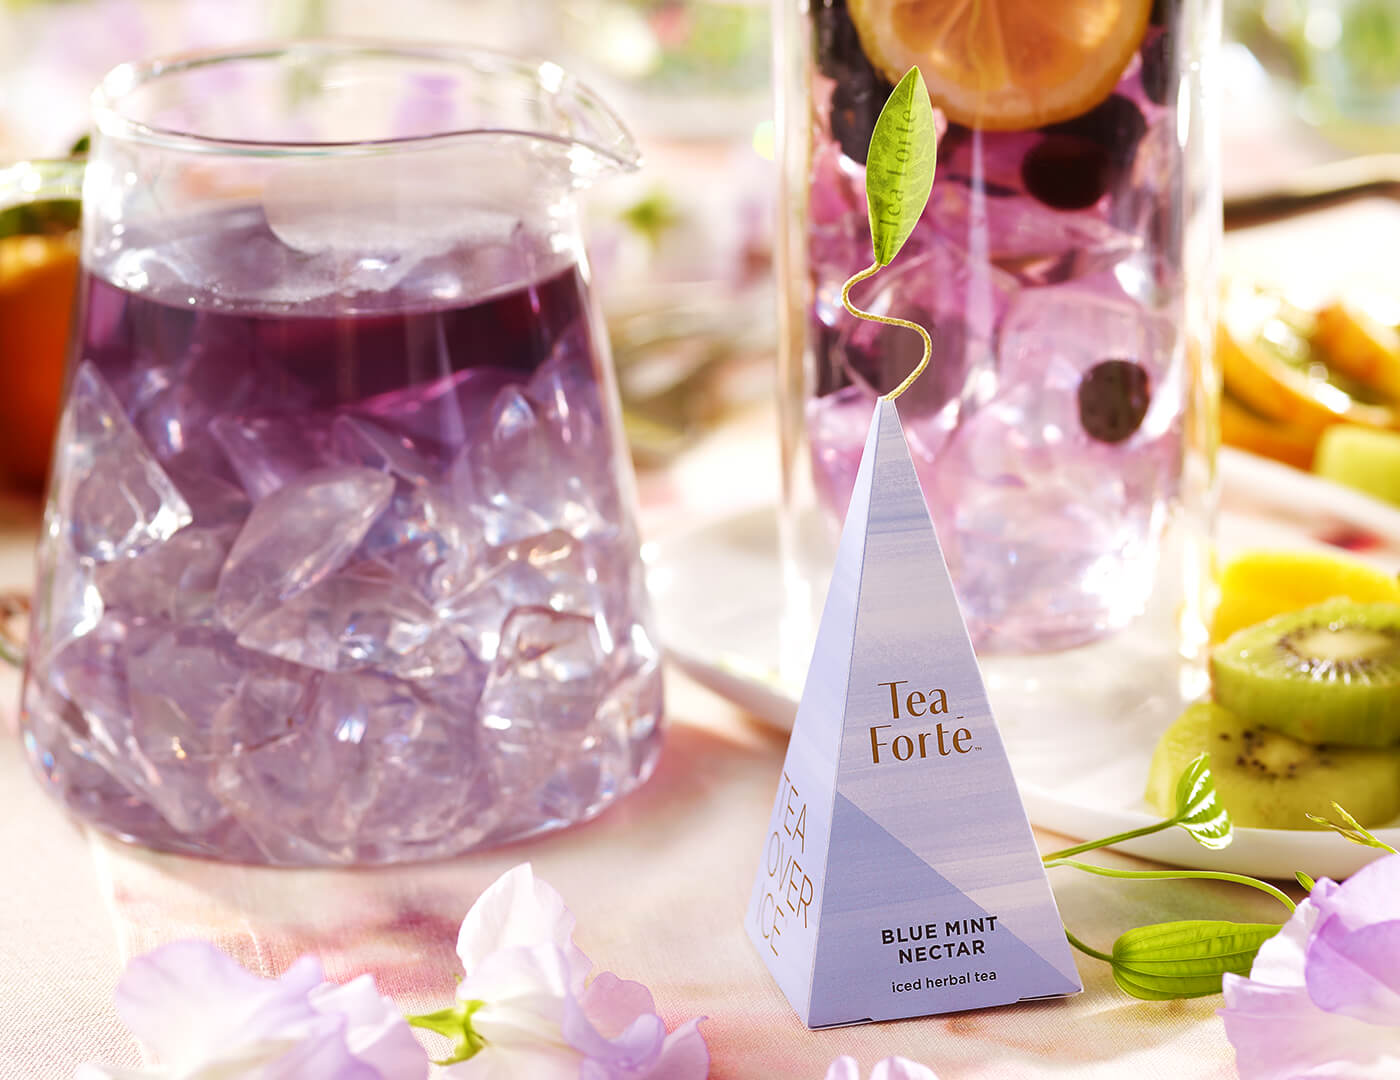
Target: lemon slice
(1005,65)
(1258,585)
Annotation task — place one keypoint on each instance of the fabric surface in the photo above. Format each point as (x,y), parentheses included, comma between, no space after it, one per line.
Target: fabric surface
(659,884)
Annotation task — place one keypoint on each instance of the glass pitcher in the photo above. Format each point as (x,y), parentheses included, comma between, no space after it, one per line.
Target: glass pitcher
(339,563)
(1065,434)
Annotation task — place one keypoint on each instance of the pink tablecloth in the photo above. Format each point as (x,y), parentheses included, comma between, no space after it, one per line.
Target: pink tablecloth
(659,885)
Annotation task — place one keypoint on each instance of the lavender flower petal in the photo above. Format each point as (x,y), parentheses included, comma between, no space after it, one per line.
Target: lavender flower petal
(1356,973)
(519,909)
(1323,996)
(187,996)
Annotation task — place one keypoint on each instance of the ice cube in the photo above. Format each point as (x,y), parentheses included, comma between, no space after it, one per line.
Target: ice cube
(268,451)
(556,571)
(57,742)
(111,493)
(213,374)
(428,535)
(380,218)
(205,480)
(356,441)
(175,581)
(90,672)
(360,618)
(630,713)
(568,398)
(421,757)
(180,677)
(540,714)
(373,764)
(1052,337)
(837,426)
(447,412)
(1050,539)
(1036,244)
(92,675)
(299,534)
(546,683)
(529,481)
(67,603)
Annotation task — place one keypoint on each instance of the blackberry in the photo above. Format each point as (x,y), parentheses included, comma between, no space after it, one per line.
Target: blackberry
(855,106)
(831,373)
(1067,172)
(1159,67)
(1115,123)
(1113,399)
(835,41)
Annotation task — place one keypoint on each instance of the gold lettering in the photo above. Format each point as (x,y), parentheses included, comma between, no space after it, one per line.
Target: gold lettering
(894,697)
(875,743)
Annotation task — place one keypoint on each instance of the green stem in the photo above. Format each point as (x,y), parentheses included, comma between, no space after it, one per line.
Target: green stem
(1170,875)
(1109,841)
(870,316)
(454,1022)
(1087,949)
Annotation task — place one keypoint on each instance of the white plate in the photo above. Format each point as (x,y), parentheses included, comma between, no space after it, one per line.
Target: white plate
(718,590)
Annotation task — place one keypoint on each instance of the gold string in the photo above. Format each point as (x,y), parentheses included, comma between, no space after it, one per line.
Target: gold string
(859,313)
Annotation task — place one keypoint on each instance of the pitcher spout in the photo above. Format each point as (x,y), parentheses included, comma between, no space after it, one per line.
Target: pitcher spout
(323,98)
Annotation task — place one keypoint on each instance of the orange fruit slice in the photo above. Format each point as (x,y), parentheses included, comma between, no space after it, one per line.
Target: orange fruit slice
(37,278)
(1359,344)
(1005,65)
(1241,426)
(1270,365)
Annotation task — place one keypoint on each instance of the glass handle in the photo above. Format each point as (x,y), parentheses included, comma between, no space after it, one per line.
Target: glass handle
(40,181)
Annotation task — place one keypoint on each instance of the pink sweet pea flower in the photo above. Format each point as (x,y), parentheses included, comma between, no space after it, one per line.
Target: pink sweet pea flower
(1323,996)
(892,1068)
(528,1009)
(207,1018)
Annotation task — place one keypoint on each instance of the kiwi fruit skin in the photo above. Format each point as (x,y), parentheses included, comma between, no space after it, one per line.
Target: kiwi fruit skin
(1262,675)
(1271,781)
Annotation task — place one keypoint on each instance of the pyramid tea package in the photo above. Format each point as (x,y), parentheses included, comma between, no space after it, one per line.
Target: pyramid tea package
(899,876)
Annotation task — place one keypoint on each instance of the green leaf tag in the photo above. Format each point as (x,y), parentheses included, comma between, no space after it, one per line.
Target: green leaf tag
(1198,811)
(899,167)
(1185,959)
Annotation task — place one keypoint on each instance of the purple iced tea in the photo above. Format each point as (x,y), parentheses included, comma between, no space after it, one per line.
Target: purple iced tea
(338,572)
(1051,432)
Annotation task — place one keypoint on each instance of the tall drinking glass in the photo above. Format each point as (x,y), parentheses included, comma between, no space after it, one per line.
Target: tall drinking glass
(1064,435)
(339,562)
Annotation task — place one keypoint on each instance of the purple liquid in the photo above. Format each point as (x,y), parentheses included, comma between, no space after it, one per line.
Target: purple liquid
(341,580)
(1048,433)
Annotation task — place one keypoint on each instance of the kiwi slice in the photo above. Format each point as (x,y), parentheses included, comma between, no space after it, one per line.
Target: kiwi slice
(1361,458)
(1270,781)
(1325,674)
